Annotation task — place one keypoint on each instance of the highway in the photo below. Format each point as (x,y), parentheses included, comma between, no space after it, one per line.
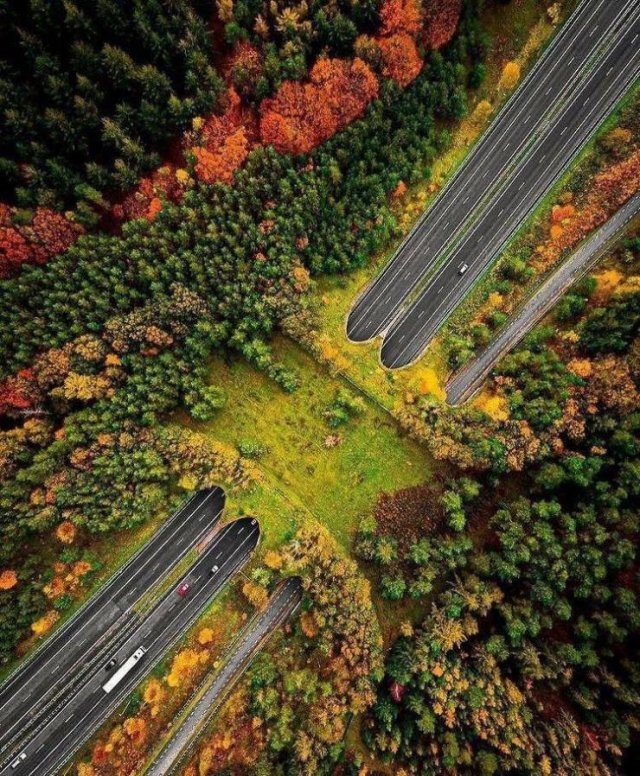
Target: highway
(281,605)
(468,380)
(496,157)
(590,103)
(79,715)
(28,692)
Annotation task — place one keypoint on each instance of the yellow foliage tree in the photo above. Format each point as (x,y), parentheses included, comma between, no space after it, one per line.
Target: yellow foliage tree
(510,76)
(255,594)
(481,113)
(496,407)
(45,623)
(154,692)
(581,367)
(430,384)
(205,636)
(184,666)
(608,281)
(273,560)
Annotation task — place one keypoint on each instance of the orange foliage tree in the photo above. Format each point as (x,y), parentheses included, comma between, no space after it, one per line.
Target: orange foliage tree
(440,21)
(220,164)
(400,58)
(8,579)
(300,116)
(400,16)
(223,143)
(66,532)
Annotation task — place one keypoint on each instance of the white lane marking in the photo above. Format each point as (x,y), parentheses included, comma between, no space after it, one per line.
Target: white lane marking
(478,154)
(409,313)
(173,523)
(471,376)
(117,697)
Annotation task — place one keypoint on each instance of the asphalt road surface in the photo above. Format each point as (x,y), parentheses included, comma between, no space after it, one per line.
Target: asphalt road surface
(590,103)
(468,380)
(495,158)
(28,692)
(65,729)
(284,601)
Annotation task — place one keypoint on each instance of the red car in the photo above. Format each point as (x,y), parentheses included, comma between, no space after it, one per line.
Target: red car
(183,589)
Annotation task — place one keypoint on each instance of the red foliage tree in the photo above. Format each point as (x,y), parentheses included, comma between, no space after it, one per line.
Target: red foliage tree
(400,16)
(18,392)
(300,116)
(400,58)
(440,21)
(5,214)
(14,251)
(48,233)
(51,233)
(149,195)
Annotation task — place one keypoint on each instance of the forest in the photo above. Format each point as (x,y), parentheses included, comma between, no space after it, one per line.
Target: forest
(178,181)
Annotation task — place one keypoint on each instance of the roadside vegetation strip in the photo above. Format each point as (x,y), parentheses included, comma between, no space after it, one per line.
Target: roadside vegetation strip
(463,385)
(185,733)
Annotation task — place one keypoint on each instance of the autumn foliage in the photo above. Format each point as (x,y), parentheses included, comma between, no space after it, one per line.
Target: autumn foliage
(223,143)
(400,16)
(243,68)
(45,623)
(396,42)
(8,579)
(147,199)
(66,532)
(47,234)
(611,189)
(302,115)
(440,21)
(400,58)
(220,164)
(18,392)
(510,76)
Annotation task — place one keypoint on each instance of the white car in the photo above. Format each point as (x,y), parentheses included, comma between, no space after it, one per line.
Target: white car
(19,759)
(463,269)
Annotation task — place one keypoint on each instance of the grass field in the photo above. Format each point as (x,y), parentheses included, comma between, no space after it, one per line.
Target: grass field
(303,478)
